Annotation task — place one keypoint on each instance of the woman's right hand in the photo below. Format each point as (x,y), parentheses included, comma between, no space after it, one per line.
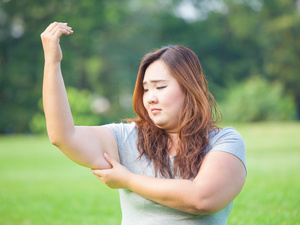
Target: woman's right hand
(50,40)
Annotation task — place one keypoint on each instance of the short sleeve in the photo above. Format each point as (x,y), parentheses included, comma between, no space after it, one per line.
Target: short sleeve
(120,131)
(228,140)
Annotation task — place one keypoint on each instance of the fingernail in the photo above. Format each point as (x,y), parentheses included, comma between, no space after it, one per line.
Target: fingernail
(105,154)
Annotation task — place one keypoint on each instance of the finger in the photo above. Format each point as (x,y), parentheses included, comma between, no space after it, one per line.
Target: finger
(98,174)
(53,25)
(60,27)
(50,27)
(57,32)
(110,160)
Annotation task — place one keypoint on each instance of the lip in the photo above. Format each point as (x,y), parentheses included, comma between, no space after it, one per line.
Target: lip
(155,110)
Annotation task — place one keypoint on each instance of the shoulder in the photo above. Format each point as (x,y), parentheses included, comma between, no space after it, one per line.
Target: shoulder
(121,126)
(122,131)
(225,135)
(228,140)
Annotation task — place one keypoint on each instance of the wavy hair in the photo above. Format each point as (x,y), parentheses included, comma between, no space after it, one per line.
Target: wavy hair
(198,118)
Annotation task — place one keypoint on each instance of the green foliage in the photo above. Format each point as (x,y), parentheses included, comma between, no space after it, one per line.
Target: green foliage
(80,104)
(38,123)
(257,100)
(233,39)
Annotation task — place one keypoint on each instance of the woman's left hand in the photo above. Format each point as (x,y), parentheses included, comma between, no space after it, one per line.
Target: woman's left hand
(117,177)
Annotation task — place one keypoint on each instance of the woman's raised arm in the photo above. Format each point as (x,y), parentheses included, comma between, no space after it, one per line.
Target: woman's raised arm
(84,145)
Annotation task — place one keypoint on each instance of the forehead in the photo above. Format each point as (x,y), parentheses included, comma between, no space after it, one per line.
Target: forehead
(157,72)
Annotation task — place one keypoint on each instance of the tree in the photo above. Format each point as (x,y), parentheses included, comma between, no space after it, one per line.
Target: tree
(234,39)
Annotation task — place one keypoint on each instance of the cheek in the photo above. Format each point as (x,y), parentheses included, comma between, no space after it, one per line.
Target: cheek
(145,101)
(176,99)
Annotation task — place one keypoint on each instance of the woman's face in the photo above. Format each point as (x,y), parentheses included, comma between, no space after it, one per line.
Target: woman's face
(163,97)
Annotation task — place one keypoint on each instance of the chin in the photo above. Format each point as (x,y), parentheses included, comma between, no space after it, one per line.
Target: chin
(162,126)
(159,125)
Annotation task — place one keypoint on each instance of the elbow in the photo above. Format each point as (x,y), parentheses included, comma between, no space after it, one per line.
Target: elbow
(204,207)
(60,138)
(52,139)
(55,140)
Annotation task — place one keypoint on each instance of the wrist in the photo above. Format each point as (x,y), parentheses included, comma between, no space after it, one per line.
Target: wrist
(52,62)
(130,181)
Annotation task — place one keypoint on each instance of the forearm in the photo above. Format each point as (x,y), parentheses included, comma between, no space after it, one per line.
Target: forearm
(219,181)
(60,125)
(178,194)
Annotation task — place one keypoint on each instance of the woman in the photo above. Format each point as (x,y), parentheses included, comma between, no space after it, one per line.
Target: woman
(171,164)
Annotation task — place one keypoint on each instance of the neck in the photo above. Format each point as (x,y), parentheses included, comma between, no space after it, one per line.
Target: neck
(174,137)
(173,144)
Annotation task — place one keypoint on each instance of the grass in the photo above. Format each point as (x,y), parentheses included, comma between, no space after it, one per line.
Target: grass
(271,194)
(39,185)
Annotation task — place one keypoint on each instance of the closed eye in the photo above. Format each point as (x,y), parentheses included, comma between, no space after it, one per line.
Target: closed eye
(145,90)
(161,87)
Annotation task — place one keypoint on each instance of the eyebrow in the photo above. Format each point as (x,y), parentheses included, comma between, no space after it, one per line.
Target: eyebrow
(154,81)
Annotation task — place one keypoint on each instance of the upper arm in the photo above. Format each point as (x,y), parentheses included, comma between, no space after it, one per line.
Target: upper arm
(87,145)
(219,180)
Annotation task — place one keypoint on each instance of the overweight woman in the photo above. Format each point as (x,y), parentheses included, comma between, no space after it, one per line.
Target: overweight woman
(172,164)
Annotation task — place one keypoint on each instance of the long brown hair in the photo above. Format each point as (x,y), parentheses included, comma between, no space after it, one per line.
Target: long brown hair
(198,118)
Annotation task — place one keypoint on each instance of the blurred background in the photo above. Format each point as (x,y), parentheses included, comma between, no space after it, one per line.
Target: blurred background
(250,54)
(249,51)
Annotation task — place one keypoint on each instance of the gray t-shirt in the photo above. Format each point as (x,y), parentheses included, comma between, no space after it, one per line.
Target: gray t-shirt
(141,211)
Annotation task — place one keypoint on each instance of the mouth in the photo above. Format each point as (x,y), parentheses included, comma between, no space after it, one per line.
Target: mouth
(155,111)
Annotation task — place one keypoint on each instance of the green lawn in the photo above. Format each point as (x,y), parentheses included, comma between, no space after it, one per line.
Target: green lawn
(271,194)
(39,185)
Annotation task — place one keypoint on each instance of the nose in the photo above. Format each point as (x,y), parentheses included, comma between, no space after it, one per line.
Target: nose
(152,98)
